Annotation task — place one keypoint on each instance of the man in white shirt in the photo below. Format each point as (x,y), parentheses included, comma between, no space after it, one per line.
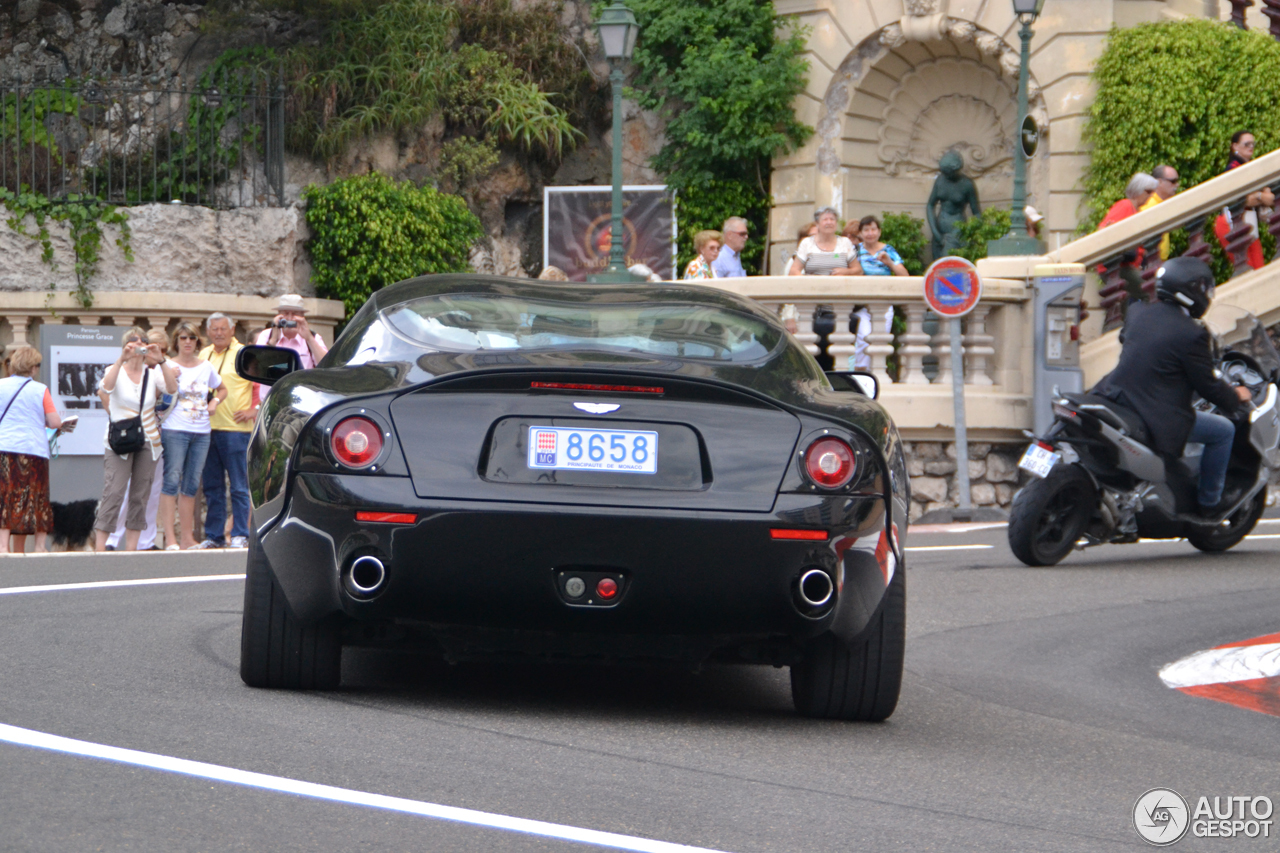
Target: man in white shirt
(729,263)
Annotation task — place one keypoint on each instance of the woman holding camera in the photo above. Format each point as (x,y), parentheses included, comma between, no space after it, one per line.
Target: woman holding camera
(132,385)
(185,436)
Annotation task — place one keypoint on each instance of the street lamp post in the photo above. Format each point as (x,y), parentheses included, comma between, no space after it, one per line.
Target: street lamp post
(617,29)
(1017,241)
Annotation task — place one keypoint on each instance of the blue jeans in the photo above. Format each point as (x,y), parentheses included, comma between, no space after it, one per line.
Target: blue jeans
(1216,433)
(184,454)
(228,458)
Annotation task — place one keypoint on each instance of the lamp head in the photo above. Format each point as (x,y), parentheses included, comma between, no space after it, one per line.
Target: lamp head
(617,29)
(1025,9)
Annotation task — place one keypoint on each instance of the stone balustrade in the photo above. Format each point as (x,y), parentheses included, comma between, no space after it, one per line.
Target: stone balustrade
(23,314)
(917,390)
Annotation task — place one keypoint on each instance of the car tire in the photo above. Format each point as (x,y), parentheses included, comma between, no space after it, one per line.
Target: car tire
(275,649)
(1049,515)
(860,681)
(1227,535)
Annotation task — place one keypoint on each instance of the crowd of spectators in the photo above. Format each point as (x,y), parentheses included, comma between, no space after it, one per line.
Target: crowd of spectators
(192,414)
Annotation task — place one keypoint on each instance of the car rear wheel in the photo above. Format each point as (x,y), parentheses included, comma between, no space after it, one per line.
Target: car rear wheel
(275,649)
(860,681)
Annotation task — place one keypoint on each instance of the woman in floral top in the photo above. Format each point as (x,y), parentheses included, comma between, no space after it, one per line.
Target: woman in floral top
(707,245)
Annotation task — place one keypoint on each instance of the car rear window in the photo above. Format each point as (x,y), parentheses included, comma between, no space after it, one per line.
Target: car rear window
(486,323)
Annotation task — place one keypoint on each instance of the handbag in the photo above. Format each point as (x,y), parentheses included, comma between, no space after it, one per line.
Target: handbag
(126,435)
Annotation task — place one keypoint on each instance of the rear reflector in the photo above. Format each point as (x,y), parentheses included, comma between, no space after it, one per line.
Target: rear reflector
(387,517)
(810,535)
(578,386)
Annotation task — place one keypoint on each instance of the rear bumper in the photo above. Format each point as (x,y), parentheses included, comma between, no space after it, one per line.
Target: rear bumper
(481,566)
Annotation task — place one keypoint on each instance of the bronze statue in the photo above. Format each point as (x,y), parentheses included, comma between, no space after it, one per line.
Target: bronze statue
(952,190)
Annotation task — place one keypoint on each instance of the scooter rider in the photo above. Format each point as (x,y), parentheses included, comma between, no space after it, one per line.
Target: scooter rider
(1166,356)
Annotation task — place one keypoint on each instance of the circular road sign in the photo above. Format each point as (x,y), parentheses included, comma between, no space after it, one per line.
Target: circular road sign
(952,287)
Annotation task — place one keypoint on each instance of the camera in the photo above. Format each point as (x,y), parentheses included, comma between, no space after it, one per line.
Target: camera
(287,324)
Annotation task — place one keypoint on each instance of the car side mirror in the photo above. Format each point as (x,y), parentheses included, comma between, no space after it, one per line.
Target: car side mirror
(857,381)
(266,365)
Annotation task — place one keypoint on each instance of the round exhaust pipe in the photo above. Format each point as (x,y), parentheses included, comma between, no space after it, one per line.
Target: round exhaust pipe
(365,577)
(815,588)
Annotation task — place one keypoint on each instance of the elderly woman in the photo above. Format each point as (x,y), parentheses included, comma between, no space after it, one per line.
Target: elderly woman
(826,252)
(26,410)
(1139,190)
(707,245)
(131,473)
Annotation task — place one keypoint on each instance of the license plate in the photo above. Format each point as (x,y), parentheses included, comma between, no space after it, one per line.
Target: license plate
(1039,461)
(621,451)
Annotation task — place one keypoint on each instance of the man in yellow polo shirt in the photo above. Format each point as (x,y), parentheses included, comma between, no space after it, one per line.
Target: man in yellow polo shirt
(1166,188)
(228,441)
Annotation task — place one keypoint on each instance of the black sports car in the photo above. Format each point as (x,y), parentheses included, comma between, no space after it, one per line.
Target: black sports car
(502,467)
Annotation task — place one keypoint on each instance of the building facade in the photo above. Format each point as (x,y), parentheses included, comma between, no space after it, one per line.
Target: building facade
(894,84)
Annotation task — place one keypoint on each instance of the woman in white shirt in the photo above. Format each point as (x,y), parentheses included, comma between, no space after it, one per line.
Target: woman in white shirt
(133,471)
(185,435)
(826,252)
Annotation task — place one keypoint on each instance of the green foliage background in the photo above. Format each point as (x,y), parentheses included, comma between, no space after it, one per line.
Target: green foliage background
(905,233)
(1174,92)
(975,231)
(369,232)
(724,76)
(395,65)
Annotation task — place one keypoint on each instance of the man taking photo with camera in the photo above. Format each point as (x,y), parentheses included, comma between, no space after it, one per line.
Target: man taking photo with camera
(290,329)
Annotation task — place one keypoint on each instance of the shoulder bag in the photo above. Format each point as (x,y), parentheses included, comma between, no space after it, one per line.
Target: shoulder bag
(126,435)
(11,399)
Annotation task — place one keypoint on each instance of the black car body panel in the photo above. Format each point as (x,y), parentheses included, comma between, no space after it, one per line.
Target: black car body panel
(692,548)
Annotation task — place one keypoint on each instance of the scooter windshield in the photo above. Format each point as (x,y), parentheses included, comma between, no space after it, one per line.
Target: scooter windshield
(1237,329)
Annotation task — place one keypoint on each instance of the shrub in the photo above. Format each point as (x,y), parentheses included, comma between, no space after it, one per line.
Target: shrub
(905,233)
(707,206)
(368,232)
(1174,92)
(975,231)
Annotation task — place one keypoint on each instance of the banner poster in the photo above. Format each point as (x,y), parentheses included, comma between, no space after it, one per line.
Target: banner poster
(577,229)
(75,359)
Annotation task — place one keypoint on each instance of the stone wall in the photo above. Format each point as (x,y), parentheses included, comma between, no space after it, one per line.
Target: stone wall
(251,251)
(994,476)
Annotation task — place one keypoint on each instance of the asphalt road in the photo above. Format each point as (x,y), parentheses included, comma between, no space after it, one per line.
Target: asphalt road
(1031,719)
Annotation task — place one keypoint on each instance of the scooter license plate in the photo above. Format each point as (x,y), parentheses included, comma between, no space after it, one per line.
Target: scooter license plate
(1039,461)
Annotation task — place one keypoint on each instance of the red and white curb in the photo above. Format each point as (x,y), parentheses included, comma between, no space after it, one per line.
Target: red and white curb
(1244,673)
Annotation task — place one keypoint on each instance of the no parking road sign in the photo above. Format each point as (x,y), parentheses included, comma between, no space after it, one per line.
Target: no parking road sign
(952,287)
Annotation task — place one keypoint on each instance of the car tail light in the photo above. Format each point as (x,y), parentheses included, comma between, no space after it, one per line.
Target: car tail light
(607,588)
(583,386)
(802,535)
(356,442)
(830,463)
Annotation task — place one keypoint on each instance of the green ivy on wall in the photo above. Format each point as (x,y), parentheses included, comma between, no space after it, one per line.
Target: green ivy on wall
(368,232)
(724,73)
(1175,92)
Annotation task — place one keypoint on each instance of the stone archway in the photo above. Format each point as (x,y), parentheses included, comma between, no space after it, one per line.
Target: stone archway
(895,105)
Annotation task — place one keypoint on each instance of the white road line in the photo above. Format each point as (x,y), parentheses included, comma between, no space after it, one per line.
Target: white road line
(59,587)
(977,526)
(949,547)
(229,775)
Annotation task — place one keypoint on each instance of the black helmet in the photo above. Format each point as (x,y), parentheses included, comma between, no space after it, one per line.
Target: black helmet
(1187,282)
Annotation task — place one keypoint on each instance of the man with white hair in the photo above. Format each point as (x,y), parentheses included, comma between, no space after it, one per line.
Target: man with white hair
(729,262)
(230,425)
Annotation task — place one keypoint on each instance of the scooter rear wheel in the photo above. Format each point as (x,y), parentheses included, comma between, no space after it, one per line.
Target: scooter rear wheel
(1228,534)
(1048,516)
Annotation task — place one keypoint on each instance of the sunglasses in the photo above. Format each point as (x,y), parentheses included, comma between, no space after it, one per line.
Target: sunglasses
(187,338)
(739,233)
